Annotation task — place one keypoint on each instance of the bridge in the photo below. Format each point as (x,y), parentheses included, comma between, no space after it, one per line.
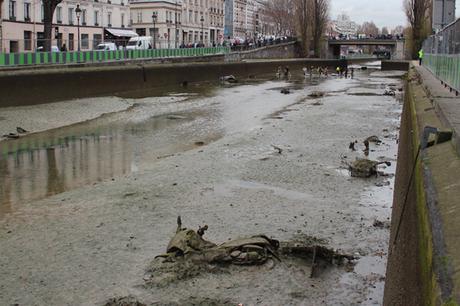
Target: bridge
(396,46)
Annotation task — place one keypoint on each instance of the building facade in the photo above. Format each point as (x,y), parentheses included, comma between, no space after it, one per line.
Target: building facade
(181,22)
(343,25)
(240,18)
(22,24)
(203,21)
(167,25)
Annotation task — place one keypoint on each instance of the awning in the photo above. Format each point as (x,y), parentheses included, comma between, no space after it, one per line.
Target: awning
(122,33)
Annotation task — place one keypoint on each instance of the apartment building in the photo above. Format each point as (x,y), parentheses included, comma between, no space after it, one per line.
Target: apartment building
(240,18)
(165,27)
(203,21)
(22,24)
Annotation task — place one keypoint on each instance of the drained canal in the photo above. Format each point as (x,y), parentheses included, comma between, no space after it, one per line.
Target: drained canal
(92,203)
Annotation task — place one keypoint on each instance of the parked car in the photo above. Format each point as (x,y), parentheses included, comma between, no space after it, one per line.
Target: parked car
(140,43)
(53,49)
(107,47)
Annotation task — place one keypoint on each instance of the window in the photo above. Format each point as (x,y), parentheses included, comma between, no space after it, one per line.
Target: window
(71,16)
(83,17)
(42,12)
(26,11)
(59,14)
(84,41)
(71,42)
(122,20)
(12,9)
(96,18)
(97,39)
(27,40)
(139,17)
(109,19)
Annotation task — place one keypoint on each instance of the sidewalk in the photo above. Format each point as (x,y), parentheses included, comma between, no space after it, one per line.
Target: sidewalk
(446,103)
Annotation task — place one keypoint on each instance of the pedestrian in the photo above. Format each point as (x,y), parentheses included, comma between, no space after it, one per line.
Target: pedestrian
(278,72)
(352,72)
(64,48)
(337,70)
(346,73)
(286,72)
(420,57)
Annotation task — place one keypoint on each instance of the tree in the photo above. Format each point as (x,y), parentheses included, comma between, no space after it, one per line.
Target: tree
(398,30)
(49,6)
(281,12)
(303,25)
(319,18)
(418,15)
(369,28)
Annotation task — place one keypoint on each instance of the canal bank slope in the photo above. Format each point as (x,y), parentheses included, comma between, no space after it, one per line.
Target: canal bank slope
(424,258)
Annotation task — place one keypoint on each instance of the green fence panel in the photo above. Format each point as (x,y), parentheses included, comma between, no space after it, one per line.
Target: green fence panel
(11,59)
(29,58)
(2,59)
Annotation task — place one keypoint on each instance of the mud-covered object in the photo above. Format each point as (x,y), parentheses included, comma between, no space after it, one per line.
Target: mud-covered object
(190,244)
(365,167)
(124,301)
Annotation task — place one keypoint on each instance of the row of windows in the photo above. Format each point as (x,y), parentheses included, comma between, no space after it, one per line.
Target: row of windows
(69,41)
(59,15)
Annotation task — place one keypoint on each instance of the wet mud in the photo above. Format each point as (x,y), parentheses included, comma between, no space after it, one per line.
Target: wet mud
(85,209)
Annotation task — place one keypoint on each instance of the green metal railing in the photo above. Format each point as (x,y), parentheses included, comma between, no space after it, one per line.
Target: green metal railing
(445,67)
(56,58)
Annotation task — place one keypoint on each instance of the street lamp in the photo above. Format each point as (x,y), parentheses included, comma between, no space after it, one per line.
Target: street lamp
(175,26)
(154,18)
(202,30)
(78,13)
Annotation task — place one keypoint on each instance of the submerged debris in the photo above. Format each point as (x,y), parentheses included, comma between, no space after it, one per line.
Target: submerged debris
(352,145)
(11,136)
(228,79)
(20,130)
(285,91)
(373,139)
(365,167)
(176,117)
(381,224)
(124,301)
(189,255)
(317,94)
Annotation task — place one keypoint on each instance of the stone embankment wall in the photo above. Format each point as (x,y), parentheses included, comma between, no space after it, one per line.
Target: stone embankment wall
(287,50)
(424,258)
(26,87)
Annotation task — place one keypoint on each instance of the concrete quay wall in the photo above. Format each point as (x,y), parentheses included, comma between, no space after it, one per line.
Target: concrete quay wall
(424,258)
(27,87)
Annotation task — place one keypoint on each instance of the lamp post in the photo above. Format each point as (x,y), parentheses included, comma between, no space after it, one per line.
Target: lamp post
(175,26)
(202,30)
(78,13)
(154,19)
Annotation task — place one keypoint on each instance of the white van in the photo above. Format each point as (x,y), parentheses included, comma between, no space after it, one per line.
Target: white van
(140,43)
(106,47)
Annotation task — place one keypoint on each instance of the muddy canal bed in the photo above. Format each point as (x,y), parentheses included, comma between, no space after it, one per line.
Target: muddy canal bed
(85,209)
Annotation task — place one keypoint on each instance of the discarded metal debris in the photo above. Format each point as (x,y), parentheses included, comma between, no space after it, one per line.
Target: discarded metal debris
(124,301)
(365,167)
(11,136)
(228,79)
(20,130)
(373,139)
(317,94)
(189,254)
(285,91)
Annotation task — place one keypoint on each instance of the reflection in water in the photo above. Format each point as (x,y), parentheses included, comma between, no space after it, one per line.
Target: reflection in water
(44,164)
(49,168)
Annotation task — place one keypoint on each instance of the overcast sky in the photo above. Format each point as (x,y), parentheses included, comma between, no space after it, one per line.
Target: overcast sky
(383,12)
